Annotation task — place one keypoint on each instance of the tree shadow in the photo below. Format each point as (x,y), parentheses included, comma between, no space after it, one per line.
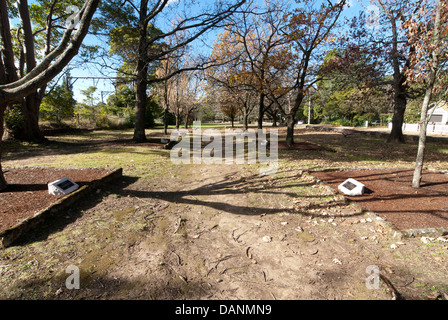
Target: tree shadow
(227,186)
(103,287)
(53,147)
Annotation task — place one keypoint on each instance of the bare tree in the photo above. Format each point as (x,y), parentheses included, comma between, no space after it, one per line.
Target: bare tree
(233,77)
(258,32)
(191,23)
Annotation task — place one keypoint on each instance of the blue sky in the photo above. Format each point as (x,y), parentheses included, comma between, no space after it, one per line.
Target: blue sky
(106,86)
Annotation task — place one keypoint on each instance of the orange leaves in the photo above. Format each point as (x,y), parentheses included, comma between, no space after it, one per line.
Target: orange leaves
(311,25)
(427,35)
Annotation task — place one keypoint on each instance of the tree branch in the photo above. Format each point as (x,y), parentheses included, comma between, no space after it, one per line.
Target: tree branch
(44,72)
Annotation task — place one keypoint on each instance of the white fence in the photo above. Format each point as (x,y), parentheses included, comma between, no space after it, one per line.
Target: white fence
(432,128)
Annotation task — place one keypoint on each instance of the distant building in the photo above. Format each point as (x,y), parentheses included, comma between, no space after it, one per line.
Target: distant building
(438,122)
(440,114)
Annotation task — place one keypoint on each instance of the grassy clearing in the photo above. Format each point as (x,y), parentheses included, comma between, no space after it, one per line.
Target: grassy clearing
(96,234)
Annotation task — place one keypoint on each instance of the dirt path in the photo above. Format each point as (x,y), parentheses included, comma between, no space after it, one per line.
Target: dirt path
(226,233)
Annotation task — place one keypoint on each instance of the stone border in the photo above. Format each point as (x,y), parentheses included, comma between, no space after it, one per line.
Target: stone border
(8,236)
(397,233)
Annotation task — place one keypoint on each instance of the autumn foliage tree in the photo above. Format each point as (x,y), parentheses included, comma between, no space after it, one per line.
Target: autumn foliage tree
(192,21)
(310,27)
(427,30)
(387,36)
(233,76)
(265,53)
(280,51)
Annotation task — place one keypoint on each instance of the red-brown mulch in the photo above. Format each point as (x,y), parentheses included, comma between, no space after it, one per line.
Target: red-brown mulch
(27,191)
(391,196)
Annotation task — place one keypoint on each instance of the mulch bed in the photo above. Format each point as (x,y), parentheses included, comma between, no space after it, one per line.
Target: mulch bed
(27,191)
(391,196)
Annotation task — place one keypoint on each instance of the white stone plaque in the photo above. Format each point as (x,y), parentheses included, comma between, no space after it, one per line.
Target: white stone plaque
(62,186)
(352,187)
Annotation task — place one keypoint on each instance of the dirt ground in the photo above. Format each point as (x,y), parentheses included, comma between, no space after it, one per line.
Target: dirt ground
(221,232)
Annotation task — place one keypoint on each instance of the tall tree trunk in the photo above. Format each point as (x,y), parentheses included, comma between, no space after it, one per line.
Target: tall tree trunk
(3,183)
(396,134)
(290,129)
(434,64)
(142,76)
(246,120)
(165,113)
(165,120)
(30,105)
(30,111)
(177,119)
(140,102)
(261,111)
(7,51)
(187,118)
(417,177)
(399,79)
(290,117)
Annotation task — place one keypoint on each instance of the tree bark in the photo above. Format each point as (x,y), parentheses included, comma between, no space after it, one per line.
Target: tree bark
(7,51)
(396,134)
(289,129)
(434,64)
(399,79)
(165,113)
(290,117)
(177,119)
(3,183)
(187,118)
(142,74)
(140,102)
(417,177)
(261,111)
(30,111)
(165,121)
